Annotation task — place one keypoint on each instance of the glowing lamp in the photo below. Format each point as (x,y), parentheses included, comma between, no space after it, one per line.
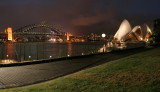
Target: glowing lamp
(103,35)
(147,40)
(54,40)
(29,57)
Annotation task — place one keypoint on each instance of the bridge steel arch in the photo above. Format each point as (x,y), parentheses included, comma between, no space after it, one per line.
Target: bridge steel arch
(34,30)
(29,29)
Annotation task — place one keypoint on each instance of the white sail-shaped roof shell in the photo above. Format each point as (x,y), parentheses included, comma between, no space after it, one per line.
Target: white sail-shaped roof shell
(149,33)
(138,32)
(148,29)
(123,30)
(135,28)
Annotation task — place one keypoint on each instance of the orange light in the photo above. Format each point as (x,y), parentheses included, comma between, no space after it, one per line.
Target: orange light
(9,30)
(67,36)
(5,31)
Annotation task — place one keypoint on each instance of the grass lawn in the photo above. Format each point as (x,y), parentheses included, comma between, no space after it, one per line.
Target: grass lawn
(136,73)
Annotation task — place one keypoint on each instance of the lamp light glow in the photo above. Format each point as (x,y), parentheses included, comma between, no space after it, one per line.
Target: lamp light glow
(103,35)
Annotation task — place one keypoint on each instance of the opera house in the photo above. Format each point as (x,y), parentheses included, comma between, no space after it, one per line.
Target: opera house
(136,36)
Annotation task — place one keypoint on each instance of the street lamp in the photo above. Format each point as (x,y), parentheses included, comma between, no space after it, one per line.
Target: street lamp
(103,35)
(29,57)
(7,56)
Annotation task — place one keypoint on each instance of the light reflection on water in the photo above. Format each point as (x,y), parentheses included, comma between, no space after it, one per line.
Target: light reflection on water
(7,61)
(24,52)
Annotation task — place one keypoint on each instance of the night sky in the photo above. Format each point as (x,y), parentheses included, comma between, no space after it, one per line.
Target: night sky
(79,17)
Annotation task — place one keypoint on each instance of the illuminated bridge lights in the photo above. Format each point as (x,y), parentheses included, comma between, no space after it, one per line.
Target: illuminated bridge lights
(37,32)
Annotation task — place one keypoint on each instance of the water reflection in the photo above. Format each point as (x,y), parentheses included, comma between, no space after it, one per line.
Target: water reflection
(69,49)
(10,51)
(7,61)
(22,52)
(106,47)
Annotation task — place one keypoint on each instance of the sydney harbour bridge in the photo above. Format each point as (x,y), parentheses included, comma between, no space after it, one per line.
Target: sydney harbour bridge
(37,32)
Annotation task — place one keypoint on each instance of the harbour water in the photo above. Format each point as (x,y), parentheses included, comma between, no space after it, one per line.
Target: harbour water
(22,52)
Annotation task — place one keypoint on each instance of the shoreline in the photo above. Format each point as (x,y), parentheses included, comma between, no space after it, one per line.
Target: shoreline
(68,58)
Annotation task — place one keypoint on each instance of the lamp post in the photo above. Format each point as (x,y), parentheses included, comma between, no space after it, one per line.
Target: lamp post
(103,35)
(29,57)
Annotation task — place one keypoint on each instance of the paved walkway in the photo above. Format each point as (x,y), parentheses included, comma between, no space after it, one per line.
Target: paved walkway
(30,74)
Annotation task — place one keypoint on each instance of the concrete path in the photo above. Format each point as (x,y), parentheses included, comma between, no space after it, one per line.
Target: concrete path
(17,76)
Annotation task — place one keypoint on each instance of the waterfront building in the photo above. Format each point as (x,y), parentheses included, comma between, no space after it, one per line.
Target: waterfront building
(126,34)
(9,31)
(131,38)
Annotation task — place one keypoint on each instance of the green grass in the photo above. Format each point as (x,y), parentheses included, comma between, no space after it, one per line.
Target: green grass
(136,73)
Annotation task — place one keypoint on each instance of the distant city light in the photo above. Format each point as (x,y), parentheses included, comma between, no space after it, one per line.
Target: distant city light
(52,32)
(50,56)
(54,40)
(147,40)
(29,57)
(103,35)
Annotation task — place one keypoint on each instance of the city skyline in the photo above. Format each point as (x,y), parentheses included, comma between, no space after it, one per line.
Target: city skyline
(78,16)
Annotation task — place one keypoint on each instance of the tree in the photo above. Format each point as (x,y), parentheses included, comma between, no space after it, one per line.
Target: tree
(156,30)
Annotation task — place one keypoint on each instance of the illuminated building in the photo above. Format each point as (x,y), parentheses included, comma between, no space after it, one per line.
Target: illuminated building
(149,33)
(135,35)
(67,36)
(123,30)
(9,30)
(125,34)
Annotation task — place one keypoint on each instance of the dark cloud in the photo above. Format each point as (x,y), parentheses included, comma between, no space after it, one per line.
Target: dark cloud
(77,16)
